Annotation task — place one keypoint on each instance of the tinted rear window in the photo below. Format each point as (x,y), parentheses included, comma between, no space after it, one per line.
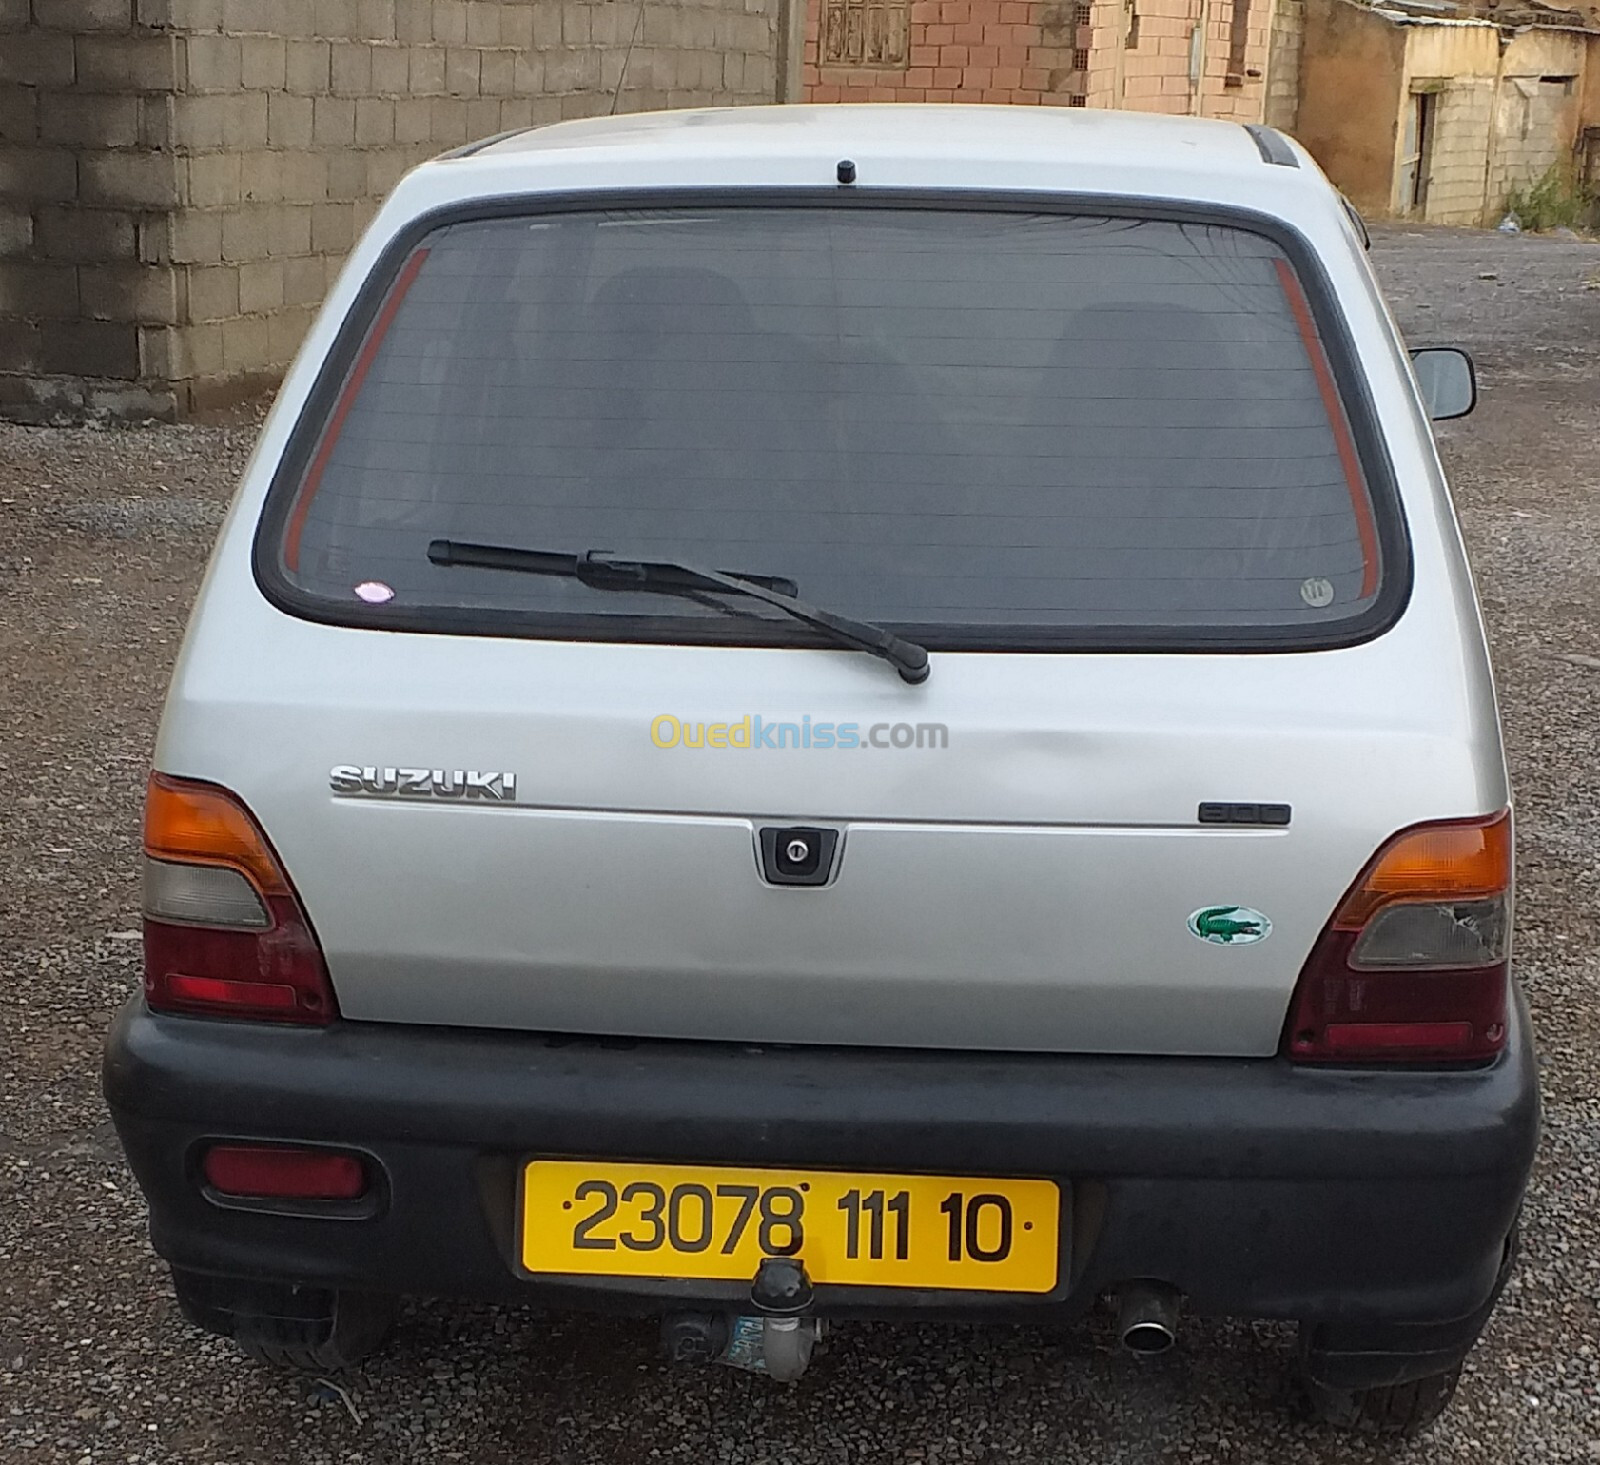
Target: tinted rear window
(985,427)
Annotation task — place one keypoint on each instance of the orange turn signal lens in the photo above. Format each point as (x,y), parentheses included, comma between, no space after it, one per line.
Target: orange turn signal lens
(200,824)
(1437,862)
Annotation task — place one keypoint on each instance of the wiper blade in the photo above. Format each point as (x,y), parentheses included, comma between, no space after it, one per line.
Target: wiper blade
(601,571)
(593,568)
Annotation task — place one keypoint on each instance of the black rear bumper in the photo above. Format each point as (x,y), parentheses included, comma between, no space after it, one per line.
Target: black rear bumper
(1368,1202)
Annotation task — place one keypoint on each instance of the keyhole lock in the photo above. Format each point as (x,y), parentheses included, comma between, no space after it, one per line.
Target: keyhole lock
(801,856)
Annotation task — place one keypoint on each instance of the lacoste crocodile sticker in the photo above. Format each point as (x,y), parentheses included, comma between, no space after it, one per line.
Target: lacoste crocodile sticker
(1230,925)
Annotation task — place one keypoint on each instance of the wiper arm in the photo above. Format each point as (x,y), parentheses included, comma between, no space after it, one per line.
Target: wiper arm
(597,569)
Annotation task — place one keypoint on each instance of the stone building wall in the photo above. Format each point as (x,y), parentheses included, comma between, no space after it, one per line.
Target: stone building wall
(1509,108)
(1533,134)
(1589,95)
(180,180)
(1507,103)
(1459,64)
(1539,116)
(1351,83)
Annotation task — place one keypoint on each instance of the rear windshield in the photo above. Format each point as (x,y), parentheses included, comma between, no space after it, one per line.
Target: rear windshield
(984,427)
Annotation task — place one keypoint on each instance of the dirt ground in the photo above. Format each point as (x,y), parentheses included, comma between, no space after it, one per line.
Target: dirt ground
(103,537)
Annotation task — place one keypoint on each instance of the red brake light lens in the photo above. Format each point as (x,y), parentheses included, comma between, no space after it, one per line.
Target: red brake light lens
(224,933)
(277,1172)
(1414,966)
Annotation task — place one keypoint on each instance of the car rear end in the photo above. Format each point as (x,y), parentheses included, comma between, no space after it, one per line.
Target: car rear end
(527,933)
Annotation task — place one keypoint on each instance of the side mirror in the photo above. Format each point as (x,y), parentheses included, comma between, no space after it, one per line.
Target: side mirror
(1448,382)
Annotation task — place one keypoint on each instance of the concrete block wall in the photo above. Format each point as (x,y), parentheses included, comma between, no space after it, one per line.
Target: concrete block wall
(1285,46)
(1463,120)
(87,181)
(180,180)
(1539,118)
(298,116)
(1531,136)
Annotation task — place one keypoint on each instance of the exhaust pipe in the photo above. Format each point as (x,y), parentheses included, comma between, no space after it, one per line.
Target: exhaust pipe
(1147,1318)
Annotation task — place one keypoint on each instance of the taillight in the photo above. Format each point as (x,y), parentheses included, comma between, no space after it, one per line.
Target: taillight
(282,1172)
(1413,967)
(224,933)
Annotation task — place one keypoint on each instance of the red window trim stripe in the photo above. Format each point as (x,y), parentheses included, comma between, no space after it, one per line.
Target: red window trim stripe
(341,409)
(1366,528)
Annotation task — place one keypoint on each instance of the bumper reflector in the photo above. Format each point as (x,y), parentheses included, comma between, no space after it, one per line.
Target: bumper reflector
(276,1172)
(1436,1037)
(244,998)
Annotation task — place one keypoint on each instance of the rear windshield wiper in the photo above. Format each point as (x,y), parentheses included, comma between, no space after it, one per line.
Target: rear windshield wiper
(599,570)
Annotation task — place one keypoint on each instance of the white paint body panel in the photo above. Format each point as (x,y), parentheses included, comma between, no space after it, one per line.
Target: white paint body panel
(1026,888)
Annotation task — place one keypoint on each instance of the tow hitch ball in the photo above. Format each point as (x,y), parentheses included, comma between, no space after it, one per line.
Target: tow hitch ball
(777,1341)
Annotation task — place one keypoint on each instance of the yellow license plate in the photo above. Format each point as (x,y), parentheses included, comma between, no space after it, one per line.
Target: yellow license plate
(603,1220)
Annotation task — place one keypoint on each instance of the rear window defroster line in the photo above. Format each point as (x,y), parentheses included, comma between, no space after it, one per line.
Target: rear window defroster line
(341,409)
(1361,505)
(1360,500)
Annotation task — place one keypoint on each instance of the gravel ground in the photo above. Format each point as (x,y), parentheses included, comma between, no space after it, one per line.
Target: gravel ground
(102,540)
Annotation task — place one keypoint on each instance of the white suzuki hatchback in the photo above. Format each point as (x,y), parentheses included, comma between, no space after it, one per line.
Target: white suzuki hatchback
(517,928)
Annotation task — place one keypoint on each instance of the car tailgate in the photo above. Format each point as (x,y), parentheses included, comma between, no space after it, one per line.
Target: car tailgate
(1029,885)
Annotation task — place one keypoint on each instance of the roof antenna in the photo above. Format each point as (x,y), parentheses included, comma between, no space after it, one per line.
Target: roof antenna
(622,76)
(846,171)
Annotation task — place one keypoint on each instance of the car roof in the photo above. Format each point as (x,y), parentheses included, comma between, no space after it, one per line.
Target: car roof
(910,130)
(901,145)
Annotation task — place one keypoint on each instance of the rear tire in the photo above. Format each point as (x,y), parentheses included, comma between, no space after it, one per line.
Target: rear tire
(298,1329)
(1390,1409)
(1401,1409)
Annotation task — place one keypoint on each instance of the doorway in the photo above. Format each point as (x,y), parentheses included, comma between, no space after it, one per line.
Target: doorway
(1416,153)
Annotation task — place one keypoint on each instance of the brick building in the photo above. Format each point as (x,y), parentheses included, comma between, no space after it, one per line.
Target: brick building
(180,179)
(1206,57)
